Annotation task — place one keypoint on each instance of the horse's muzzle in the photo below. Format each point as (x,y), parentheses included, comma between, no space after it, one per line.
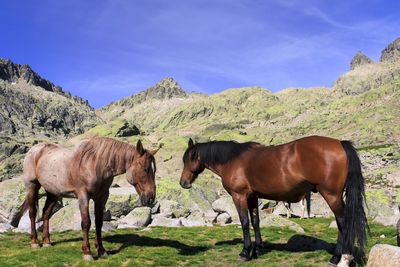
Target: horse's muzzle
(185,184)
(147,200)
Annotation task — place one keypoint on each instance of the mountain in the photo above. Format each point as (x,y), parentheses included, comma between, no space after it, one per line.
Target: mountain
(362,106)
(32,108)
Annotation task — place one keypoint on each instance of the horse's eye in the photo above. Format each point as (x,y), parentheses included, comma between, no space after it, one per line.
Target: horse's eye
(146,170)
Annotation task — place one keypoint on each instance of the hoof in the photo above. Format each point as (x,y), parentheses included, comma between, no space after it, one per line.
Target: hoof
(334,260)
(47,245)
(35,245)
(87,257)
(244,256)
(103,255)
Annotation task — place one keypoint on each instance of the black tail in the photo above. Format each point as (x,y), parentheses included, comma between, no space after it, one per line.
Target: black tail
(17,217)
(355,221)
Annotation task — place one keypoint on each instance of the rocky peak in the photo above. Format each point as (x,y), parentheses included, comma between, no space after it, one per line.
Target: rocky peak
(391,52)
(12,72)
(359,59)
(165,89)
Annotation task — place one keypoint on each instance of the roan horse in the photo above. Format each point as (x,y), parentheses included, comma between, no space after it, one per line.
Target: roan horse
(287,173)
(86,171)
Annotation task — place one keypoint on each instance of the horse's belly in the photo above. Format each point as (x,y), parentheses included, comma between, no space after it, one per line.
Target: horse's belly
(289,194)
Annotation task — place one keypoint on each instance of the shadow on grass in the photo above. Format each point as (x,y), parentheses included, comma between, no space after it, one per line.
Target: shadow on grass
(127,240)
(297,243)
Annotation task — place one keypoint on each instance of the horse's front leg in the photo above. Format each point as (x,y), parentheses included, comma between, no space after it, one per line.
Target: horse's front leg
(85,224)
(99,211)
(255,221)
(240,201)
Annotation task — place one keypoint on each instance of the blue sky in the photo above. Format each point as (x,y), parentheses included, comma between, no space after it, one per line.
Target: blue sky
(105,50)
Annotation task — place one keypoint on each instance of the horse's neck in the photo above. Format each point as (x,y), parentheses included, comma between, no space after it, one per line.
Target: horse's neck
(218,169)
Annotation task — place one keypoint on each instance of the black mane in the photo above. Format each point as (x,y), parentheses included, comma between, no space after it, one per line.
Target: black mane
(217,152)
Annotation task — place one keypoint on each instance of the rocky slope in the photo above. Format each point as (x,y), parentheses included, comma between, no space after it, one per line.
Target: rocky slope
(32,108)
(362,106)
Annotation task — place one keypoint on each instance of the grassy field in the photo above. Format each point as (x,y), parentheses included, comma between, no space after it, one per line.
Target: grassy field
(197,246)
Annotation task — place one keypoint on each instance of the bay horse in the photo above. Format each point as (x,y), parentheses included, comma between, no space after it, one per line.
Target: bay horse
(86,171)
(287,172)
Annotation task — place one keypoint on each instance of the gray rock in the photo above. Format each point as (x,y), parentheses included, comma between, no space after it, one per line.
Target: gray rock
(268,220)
(156,208)
(223,219)
(121,201)
(5,227)
(25,222)
(139,217)
(333,224)
(173,209)
(69,217)
(160,220)
(382,255)
(196,218)
(12,194)
(127,130)
(225,204)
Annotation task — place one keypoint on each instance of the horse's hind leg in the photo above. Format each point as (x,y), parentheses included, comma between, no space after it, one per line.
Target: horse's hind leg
(255,221)
(99,211)
(240,201)
(335,202)
(51,200)
(32,201)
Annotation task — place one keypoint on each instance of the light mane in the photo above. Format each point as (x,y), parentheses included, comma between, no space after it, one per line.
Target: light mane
(107,154)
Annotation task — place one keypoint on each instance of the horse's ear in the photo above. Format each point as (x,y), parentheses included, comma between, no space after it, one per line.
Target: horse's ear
(190,143)
(153,152)
(139,147)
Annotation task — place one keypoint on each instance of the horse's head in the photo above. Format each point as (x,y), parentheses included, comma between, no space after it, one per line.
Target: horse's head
(192,166)
(141,174)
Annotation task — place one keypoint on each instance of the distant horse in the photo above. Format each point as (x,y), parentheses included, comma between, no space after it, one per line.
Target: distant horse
(287,173)
(86,171)
(305,203)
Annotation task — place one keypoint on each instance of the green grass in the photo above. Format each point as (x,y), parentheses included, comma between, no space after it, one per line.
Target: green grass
(197,246)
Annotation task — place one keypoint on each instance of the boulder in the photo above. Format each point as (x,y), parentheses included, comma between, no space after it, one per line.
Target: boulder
(25,223)
(139,217)
(121,201)
(383,255)
(223,219)
(225,204)
(69,217)
(5,227)
(196,218)
(271,220)
(160,220)
(12,194)
(127,130)
(173,209)
(333,224)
